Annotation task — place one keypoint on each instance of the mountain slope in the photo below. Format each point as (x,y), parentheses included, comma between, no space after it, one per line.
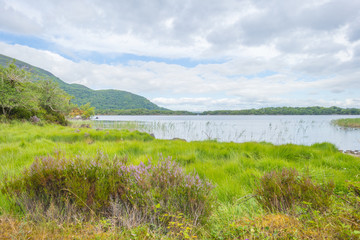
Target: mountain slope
(100,99)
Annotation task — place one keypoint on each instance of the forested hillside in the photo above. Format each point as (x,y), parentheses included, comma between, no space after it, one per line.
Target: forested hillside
(100,99)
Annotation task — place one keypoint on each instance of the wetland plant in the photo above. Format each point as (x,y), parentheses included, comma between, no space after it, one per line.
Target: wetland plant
(111,188)
(285,190)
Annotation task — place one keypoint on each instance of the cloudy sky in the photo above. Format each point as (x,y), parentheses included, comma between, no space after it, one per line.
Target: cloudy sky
(195,54)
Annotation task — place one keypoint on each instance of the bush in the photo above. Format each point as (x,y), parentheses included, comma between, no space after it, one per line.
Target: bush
(21,113)
(132,194)
(55,117)
(283,191)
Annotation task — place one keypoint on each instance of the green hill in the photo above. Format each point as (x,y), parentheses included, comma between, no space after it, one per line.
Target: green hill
(100,99)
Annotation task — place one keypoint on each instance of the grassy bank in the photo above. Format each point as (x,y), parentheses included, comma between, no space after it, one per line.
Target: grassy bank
(234,169)
(348,122)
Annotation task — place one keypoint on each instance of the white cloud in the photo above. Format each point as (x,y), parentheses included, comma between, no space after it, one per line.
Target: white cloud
(207,86)
(272,52)
(16,18)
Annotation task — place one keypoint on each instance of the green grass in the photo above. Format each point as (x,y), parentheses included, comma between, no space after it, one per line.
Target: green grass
(233,167)
(348,122)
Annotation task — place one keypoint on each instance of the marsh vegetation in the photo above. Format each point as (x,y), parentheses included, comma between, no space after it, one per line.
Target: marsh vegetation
(88,183)
(348,122)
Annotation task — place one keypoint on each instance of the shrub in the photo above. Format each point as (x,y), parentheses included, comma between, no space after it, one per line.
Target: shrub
(55,117)
(21,113)
(285,190)
(131,194)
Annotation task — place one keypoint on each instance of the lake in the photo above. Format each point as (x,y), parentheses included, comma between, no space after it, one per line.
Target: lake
(296,129)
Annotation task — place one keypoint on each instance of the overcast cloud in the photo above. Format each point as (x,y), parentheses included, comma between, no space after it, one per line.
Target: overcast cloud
(195,54)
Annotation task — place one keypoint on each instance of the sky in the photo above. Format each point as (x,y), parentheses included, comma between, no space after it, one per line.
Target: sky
(195,55)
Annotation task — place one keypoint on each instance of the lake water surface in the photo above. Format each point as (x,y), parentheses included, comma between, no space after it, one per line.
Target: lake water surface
(302,129)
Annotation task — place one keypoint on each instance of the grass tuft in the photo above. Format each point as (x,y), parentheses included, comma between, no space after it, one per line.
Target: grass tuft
(286,190)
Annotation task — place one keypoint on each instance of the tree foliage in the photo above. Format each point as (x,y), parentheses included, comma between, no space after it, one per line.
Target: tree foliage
(84,111)
(22,98)
(52,98)
(15,90)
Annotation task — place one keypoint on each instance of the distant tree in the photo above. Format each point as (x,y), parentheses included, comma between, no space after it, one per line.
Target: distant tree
(287,111)
(75,112)
(84,111)
(87,110)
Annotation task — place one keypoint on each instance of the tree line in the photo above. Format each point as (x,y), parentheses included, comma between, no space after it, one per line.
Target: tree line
(262,111)
(141,111)
(288,111)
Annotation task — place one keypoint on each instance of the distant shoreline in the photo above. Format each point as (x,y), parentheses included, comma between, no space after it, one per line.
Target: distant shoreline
(262,111)
(199,114)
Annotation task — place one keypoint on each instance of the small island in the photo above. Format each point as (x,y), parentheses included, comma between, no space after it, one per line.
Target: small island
(348,122)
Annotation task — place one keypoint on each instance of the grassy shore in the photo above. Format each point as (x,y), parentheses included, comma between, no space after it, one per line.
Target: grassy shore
(348,122)
(234,169)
